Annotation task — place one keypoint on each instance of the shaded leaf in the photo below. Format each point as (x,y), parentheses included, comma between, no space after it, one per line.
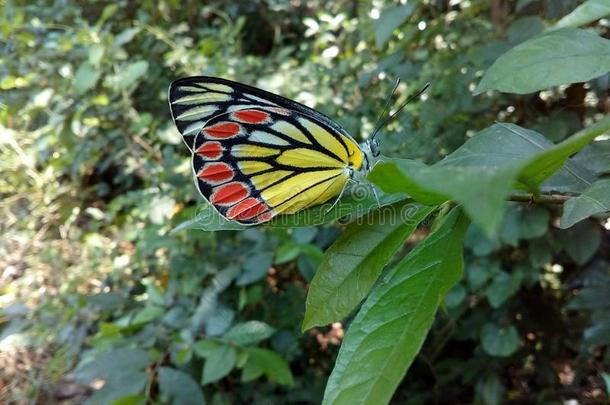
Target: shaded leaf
(179,388)
(565,56)
(500,342)
(581,241)
(272,364)
(594,200)
(85,77)
(218,363)
(390,19)
(587,12)
(250,332)
(392,324)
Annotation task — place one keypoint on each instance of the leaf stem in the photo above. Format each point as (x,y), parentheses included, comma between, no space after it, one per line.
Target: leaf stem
(540,198)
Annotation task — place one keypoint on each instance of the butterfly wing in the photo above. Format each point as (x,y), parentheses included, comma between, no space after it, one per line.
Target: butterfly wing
(195,100)
(254,163)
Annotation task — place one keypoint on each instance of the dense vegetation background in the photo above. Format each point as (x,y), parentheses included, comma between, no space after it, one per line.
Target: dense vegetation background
(95,176)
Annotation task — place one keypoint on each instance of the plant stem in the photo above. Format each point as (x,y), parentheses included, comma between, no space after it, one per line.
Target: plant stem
(540,198)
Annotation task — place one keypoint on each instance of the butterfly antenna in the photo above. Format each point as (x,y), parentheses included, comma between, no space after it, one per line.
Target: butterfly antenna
(393,115)
(378,125)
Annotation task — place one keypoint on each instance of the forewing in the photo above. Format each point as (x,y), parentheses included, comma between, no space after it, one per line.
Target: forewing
(195,100)
(254,163)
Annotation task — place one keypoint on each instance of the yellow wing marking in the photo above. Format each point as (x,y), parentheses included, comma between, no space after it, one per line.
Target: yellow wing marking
(303,157)
(266,137)
(325,138)
(207,97)
(286,128)
(297,186)
(355,154)
(318,194)
(197,112)
(261,181)
(218,87)
(249,167)
(253,151)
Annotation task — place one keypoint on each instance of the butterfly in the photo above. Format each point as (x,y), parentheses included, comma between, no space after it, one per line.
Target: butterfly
(256,154)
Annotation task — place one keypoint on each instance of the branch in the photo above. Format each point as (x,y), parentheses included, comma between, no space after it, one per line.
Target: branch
(540,198)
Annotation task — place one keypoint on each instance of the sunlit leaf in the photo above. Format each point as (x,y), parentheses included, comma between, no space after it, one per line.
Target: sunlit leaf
(393,322)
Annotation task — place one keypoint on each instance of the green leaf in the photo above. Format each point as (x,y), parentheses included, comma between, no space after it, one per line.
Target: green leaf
(248,333)
(272,364)
(606,378)
(392,324)
(107,363)
(482,172)
(390,19)
(595,157)
(251,370)
(587,12)
(502,288)
(255,268)
(147,315)
(500,342)
(287,252)
(218,363)
(581,241)
(179,388)
(136,399)
(565,56)
(593,201)
(122,371)
(490,390)
(128,75)
(353,263)
(205,348)
(544,164)
(119,387)
(85,77)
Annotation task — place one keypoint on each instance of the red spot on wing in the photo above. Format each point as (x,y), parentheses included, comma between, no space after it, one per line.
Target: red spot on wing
(251,116)
(216,173)
(265,217)
(222,130)
(247,209)
(211,150)
(229,194)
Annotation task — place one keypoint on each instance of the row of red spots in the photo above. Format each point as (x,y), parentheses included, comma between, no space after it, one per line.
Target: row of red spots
(247,209)
(251,116)
(216,173)
(210,150)
(222,130)
(229,194)
(265,217)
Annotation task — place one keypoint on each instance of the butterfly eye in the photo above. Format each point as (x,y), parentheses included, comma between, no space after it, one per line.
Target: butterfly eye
(374,148)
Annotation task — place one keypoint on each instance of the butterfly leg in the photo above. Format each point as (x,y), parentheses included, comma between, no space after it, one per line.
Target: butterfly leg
(376,196)
(336,200)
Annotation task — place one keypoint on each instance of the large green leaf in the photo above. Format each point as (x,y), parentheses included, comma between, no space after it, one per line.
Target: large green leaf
(593,201)
(587,12)
(178,388)
(392,324)
(482,172)
(565,56)
(352,264)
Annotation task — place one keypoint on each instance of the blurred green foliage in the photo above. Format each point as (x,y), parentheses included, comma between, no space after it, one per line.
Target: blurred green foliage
(95,177)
